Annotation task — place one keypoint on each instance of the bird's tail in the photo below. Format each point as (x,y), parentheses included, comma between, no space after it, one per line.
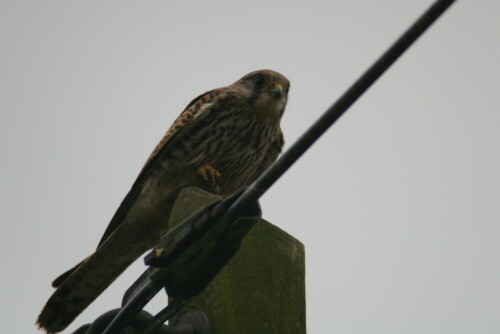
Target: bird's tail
(80,286)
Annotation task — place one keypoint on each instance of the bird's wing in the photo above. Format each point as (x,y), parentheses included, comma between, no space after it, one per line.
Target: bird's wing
(191,115)
(79,286)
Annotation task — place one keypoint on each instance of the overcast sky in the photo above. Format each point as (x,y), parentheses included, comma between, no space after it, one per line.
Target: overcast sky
(398,205)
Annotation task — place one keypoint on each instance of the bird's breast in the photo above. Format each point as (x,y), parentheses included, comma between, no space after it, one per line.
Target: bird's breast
(241,152)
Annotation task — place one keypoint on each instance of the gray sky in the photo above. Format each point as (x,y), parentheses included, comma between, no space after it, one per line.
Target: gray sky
(397,205)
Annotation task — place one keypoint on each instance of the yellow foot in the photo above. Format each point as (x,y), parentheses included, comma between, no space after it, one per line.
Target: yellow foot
(211,175)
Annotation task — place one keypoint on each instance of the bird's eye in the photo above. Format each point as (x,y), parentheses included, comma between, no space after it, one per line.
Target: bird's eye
(259,81)
(287,89)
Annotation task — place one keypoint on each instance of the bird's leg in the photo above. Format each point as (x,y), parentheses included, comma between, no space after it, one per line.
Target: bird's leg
(211,175)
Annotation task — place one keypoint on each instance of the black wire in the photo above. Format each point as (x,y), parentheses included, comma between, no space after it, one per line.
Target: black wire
(276,170)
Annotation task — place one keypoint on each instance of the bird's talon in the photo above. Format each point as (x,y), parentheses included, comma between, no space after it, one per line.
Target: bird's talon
(203,173)
(210,174)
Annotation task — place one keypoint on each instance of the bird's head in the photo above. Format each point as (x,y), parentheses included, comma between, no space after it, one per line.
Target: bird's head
(267,92)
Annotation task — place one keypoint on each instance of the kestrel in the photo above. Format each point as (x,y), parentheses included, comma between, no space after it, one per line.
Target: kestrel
(223,140)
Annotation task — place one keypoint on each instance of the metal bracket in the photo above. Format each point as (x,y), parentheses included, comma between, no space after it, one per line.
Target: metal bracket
(192,322)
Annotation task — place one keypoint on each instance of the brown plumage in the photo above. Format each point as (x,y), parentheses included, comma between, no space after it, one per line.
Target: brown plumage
(223,140)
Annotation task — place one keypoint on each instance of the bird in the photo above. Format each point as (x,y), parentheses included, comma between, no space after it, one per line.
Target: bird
(223,140)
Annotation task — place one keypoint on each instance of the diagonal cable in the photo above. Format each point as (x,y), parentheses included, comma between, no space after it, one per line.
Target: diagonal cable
(277,169)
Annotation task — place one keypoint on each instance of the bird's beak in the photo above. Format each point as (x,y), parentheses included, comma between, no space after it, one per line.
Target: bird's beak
(276,90)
